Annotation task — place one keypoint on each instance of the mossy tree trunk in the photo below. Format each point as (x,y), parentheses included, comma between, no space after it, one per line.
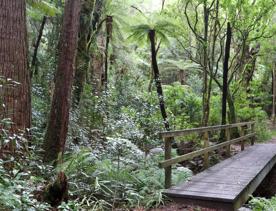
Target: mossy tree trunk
(84,52)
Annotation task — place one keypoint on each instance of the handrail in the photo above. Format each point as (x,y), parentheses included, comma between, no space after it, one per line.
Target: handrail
(177,133)
(188,156)
(169,135)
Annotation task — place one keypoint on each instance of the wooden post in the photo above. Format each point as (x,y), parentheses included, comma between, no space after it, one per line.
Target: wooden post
(227,138)
(168,170)
(242,134)
(206,155)
(253,131)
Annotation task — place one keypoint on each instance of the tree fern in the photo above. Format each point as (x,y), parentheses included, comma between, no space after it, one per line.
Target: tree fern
(38,8)
(163,28)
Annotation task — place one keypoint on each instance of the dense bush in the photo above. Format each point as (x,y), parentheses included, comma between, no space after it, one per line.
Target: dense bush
(263,204)
(121,176)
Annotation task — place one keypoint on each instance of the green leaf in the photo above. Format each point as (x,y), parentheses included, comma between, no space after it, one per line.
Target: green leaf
(38,6)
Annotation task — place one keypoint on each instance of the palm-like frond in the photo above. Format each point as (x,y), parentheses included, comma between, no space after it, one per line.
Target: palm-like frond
(180,64)
(139,33)
(42,7)
(163,29)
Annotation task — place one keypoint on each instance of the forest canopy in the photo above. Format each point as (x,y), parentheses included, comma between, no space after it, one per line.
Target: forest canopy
(86,86)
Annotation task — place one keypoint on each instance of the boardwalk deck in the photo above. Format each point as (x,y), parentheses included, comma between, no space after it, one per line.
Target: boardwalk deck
(228,184)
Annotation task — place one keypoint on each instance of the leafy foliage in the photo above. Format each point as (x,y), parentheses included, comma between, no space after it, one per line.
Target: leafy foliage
(113,148)
(262,204)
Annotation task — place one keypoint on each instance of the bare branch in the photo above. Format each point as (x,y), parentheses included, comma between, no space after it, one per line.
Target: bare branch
(198,36)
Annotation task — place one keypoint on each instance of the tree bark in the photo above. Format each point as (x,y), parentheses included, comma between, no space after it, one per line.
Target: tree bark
(83,54)
(36,46)
(232,118)
(13,64)
(158,80)
(274,95)
(97,12)
(225,73)
(97,67)
(182,75)
(57,128)
(109,26)
(232,111)
(205,98)
(250,67)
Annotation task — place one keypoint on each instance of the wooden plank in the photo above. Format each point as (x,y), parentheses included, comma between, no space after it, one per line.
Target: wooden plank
(225,175)
(200,195)
(206,154)
(231,183)
(207,187)
(169,162)
(222,205)
(228,138)
(242,134)
(178,133)
(242,197)
(168,169)
(253,138)
(229,180)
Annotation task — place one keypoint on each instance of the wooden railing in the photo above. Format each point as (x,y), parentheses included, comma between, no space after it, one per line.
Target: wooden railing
(247,132)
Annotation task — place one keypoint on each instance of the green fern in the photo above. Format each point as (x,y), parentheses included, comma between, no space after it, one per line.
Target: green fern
(38,8)
(163,29)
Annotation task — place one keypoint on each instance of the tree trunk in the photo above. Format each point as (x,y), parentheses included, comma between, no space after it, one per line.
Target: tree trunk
(232,111)
(250,67)
(97,68)
(109,23)
(205,98)
(225,74)
(97,12)
(36,46)
(274,96)
(232,118)
(158,80)
(57,128)
(182,77)
(13,64)
(83,54)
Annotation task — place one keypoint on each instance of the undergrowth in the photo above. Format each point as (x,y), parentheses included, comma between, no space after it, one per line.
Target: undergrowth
(263,204)
(121,176)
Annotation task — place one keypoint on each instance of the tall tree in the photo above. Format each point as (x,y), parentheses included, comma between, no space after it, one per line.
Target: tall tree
(36,46)
(158,30)
(13,64)
(109,26)
(225,73)
(157,78)
(57,128)
(206,30)
(97,56)
(83,55)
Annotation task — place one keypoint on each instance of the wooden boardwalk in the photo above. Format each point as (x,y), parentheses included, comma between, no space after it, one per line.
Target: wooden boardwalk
(228,184)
